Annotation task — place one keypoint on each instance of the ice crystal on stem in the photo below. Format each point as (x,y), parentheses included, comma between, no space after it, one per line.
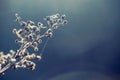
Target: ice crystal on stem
(29,35)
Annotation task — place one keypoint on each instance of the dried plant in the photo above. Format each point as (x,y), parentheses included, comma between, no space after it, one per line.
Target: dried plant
(29,35)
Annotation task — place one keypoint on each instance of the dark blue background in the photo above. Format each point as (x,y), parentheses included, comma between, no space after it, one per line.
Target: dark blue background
(87,48)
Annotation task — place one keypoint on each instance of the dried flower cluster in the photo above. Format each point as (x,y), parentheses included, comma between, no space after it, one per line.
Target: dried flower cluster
(29,35)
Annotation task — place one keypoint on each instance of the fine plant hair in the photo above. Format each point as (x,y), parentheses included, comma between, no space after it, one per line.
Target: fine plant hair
(30,35)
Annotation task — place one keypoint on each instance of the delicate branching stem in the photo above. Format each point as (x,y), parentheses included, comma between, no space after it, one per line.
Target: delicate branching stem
(29,35)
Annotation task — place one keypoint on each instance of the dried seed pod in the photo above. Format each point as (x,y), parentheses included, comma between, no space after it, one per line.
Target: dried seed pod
(63,16)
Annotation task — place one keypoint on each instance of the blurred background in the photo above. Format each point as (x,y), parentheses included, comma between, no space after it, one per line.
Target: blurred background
(87,48)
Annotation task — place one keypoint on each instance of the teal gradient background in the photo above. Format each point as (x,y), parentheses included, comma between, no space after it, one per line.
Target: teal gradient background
(87,48)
